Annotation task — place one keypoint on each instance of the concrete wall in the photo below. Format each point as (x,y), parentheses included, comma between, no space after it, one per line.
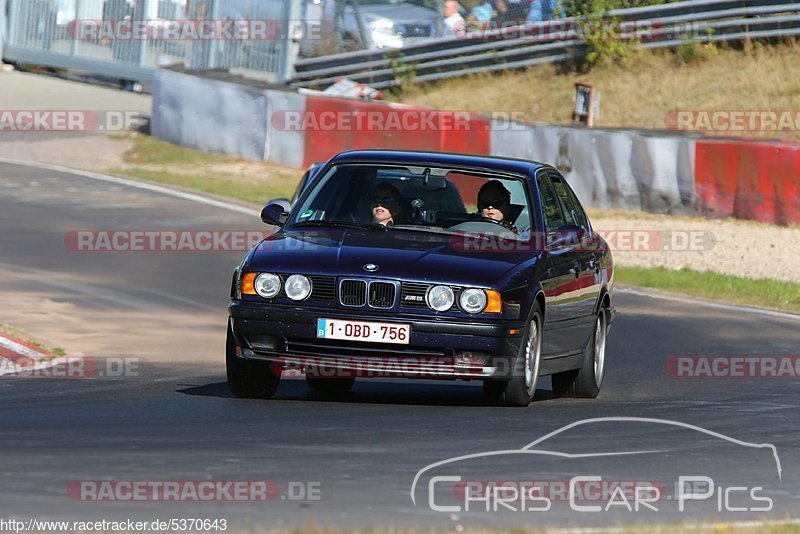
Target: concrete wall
(619,169)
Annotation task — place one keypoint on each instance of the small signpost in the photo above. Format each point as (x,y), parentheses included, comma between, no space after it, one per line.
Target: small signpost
(585,104)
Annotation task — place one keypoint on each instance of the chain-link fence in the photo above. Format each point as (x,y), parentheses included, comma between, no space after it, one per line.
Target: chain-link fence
(128,38)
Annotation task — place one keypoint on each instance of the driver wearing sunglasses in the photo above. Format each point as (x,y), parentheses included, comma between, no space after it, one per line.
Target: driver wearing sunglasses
(386,207)
(493,203)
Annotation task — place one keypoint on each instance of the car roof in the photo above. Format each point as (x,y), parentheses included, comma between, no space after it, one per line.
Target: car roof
(513,165)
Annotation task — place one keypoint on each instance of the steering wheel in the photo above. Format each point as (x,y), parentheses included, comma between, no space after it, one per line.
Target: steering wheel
(470,225)
(508,225)
(489,219)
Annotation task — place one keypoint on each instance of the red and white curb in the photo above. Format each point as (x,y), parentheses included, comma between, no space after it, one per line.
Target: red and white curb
(17,357)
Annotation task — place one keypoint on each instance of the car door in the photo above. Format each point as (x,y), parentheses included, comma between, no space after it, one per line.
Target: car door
(561,278)
(588,289)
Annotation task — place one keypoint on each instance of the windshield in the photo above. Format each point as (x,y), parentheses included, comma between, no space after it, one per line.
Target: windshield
(432,199)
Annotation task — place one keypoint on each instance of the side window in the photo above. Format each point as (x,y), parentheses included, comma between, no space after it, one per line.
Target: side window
(573,214)
(583,220)
(553,218)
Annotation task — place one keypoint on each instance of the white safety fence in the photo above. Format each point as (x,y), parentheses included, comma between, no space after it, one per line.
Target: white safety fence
(128,39)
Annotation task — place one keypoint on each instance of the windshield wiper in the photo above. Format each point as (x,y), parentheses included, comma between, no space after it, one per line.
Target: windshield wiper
(488,236)
(342,224)
(436,230)
(422,228)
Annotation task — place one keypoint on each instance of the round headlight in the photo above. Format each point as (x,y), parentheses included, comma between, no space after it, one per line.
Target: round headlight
(440,298)
(298,287)
(472,300)
(267,285)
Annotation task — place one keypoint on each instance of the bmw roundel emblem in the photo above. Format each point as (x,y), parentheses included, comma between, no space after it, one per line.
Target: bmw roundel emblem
(371,267)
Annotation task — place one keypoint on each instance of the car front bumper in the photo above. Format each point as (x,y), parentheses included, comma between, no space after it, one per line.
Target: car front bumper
(444,349)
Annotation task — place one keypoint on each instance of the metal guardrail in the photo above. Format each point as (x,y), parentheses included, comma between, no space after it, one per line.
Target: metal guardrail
(43,32)
(658,26)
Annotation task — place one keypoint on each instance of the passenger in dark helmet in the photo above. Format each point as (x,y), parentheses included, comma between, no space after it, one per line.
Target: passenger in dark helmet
(494,201)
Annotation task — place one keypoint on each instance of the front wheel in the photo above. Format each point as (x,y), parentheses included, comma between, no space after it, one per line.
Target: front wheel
(248,379)
(520,389)
(586,382)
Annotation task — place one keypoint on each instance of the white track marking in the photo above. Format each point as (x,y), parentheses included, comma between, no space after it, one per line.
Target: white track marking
(703,302)
(134,183)
(22,350)
(9,367)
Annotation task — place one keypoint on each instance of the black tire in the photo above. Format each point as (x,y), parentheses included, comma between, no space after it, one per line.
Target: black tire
(585,383)
(330,385)
(248,379)
(520,389)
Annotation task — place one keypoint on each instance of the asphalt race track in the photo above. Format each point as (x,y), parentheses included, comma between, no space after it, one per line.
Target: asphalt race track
(343,461)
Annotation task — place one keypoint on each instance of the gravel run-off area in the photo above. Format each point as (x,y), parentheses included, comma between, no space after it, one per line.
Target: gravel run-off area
(727,246)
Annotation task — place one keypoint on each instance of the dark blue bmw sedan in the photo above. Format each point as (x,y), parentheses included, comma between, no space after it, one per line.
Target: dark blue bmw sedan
(425,265)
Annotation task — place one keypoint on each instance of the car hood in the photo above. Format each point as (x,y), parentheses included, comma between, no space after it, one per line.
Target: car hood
(401,255)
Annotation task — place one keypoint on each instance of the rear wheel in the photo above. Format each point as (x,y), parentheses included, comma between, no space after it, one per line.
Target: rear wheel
(330,385)
(248,379)
(520,389)
(586,381)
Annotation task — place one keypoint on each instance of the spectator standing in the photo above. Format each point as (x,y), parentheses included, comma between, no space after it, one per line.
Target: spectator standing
(544,10)
(199,10)
(114,12)
(454,25)
(482,13)
(516,11)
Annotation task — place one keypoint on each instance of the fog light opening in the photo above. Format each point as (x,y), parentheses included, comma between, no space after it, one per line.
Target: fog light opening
(470,358)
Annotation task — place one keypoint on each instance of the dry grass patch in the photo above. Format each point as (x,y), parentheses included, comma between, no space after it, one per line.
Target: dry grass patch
(154,160)
(637,94)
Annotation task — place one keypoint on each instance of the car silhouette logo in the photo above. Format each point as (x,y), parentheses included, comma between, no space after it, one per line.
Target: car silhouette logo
(371,267)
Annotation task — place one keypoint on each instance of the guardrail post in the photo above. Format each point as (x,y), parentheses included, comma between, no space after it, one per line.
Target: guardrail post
(440,18)
(3,26)
(13,19)
(75,45)
(288,54)
(144,14)
(213,45)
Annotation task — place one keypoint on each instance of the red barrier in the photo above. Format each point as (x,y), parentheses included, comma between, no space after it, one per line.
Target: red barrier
(749,180)
(475,139)
(333,125)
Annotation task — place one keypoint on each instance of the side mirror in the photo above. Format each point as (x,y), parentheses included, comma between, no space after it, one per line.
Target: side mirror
(274,213)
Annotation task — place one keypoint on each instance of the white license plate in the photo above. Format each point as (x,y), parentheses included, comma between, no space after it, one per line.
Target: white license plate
(367,331)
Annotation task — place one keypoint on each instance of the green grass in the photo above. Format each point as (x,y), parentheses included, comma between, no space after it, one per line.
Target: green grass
(762,292)
(148,150)
(154,160)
